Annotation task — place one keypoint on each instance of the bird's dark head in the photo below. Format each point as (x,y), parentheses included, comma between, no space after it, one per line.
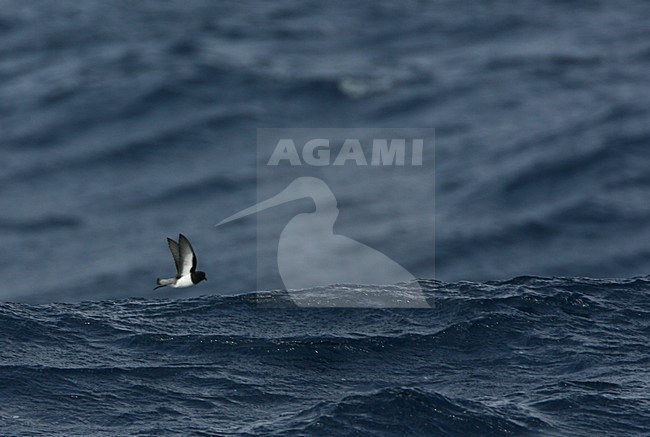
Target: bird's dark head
(198,277)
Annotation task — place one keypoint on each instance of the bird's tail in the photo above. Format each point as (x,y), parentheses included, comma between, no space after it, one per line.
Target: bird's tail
(163,282)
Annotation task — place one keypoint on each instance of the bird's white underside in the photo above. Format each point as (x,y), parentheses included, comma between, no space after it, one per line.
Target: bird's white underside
(183,282)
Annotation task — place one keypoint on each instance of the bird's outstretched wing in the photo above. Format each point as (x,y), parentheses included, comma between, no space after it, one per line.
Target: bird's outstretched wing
(176,253)
(187,256)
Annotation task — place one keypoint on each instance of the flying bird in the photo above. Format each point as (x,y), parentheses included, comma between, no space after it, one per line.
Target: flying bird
(185,260)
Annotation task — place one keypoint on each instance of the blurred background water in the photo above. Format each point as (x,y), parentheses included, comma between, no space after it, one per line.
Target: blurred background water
(122,123)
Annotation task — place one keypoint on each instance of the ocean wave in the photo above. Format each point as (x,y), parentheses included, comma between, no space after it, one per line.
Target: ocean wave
(385,411)
(525,355)
(43,224)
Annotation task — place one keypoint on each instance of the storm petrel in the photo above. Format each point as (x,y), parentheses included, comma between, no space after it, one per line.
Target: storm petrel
(185,259)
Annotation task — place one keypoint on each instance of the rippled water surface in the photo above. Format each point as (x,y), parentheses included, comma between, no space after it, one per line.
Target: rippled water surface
(528,355)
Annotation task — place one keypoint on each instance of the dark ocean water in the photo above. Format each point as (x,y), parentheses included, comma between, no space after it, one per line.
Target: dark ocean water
(527,356)
(122,123)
